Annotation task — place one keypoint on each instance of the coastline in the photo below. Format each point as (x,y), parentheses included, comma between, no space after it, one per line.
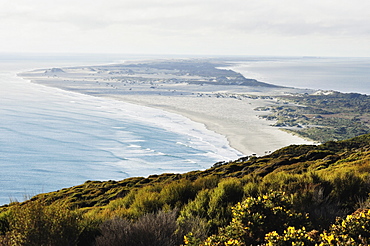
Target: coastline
(224,109)
(235,119)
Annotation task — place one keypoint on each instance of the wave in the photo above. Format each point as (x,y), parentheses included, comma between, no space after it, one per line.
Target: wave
(52,139)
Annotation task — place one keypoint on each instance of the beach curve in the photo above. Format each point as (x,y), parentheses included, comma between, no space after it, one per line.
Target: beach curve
(228,110)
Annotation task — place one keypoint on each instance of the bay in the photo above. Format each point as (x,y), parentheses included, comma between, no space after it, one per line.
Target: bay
(51,139)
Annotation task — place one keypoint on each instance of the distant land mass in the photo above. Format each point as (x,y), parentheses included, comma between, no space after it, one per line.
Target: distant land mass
(208,73)
(205,91)
(170,84)
(189,71)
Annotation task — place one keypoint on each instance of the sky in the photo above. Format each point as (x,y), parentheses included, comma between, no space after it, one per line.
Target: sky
(192,27)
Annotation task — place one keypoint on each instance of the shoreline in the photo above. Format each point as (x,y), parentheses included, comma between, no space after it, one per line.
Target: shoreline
(226,109)
(234,119)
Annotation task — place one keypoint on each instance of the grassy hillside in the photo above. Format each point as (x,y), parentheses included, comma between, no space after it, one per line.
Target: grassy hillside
(303,187)
(327,158)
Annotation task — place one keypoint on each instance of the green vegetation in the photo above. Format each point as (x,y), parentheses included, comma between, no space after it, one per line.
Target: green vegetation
(333,116)
(301,194)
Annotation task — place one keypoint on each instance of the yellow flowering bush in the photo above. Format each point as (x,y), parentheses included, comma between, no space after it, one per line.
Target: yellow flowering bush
(353,230)
(291,236)
(190,240)
(253,218)
(270,220)
(270,212)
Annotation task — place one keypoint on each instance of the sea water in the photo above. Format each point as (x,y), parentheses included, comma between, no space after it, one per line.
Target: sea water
(342,74)
(51,139)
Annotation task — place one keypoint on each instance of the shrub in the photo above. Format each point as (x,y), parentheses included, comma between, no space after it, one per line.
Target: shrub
(207,182)
(198,208)
(354,230)
(155,229)
(226,194)
(178,193)
(348,188)
(124,202)
(4,222)
(36,224)
(270,212)
(195,226)
(147,200)
(254,217)
(251,189)
(290,236)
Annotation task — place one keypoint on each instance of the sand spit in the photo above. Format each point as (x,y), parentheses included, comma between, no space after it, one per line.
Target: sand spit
(225,107)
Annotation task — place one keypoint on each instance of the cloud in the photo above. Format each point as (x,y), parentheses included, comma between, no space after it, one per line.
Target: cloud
(284,16)
(166,22)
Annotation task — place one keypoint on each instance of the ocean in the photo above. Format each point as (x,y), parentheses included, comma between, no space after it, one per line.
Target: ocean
(51,139)
(343,74)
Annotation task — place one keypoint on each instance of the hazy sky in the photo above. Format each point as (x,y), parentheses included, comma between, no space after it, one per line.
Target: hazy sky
(204,27)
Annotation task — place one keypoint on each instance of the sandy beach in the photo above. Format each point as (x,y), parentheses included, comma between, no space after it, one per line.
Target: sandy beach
(227,110)
(235,119)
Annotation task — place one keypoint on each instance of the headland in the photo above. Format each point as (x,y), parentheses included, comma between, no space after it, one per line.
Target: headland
(204,91)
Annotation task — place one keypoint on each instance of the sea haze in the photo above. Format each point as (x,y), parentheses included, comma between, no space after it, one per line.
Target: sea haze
(52,138)
(322,73)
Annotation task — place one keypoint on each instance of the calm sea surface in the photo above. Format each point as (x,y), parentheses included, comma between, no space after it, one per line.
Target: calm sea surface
(51,139)
(340,74)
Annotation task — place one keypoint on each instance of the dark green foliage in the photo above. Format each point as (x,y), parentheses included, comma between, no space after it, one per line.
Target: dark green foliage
(177,193)
(347,188)
(4,222)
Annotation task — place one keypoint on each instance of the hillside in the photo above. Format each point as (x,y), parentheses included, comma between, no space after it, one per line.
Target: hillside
(314,184)
(295,159)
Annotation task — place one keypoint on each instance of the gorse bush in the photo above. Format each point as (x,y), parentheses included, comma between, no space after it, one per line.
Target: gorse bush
(253,218)
(290,236)
(268,220)
(177,193)
(197,207)
(36,224)
(214,205)
(354,230)
(222,198)
(235,212)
